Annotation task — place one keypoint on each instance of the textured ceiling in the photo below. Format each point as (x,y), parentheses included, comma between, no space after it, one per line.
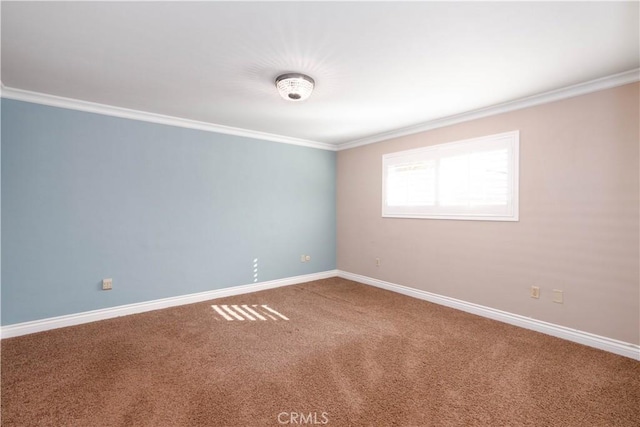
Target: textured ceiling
(378,66)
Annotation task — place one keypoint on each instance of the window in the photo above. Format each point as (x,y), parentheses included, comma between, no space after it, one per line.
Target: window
(471,179)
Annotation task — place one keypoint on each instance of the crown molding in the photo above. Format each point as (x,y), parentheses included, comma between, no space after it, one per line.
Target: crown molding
(126,113)
(603,83)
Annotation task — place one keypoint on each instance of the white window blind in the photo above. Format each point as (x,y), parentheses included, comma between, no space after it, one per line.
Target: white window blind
(471,179)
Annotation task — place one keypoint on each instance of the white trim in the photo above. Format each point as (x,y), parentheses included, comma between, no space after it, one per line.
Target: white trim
(123,310)
(126,113)
(603,83)
(603,343)
(509,140)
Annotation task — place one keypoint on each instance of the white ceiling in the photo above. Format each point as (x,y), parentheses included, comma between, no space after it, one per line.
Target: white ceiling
(378,66)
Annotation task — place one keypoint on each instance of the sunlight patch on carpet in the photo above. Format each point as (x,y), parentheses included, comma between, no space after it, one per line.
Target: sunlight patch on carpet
(245,312)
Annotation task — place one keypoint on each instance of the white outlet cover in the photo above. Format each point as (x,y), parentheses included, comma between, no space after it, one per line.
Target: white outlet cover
(535,292)
(558,296)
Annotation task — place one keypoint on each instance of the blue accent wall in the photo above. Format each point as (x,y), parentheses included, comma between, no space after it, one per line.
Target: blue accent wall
(164,211)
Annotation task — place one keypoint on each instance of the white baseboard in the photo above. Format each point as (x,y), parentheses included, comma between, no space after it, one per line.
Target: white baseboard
(586,338)
(123,310)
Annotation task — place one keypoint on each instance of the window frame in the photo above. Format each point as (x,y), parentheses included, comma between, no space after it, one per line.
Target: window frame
(512,142)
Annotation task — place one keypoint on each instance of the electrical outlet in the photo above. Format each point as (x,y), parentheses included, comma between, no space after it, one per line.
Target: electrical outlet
(377,262)
(558,296)
(107,284)
(307,258)
(535,292)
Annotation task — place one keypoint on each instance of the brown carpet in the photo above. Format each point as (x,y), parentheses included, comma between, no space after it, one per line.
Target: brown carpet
(349,355)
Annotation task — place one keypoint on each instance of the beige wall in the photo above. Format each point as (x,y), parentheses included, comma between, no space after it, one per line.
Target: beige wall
(578,229)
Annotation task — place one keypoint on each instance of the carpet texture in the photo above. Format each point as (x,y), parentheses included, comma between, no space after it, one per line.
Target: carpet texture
(349,355)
